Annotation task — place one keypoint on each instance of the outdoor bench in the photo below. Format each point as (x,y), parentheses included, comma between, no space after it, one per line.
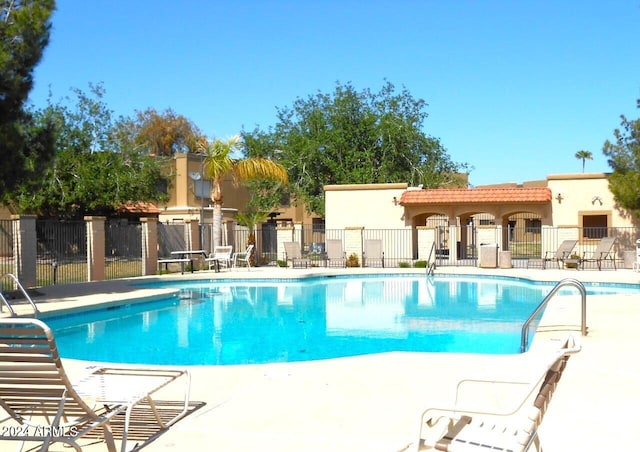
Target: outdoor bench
(167,261)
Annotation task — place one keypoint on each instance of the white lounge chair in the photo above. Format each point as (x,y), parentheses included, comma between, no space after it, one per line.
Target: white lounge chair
(37,394)
(221,257)
(459,428)
(244,257)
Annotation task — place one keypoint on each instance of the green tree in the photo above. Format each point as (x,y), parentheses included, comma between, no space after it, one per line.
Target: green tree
(91,172)
(219,162)
(624,159)
(351,137)
(584,156)
(24,34)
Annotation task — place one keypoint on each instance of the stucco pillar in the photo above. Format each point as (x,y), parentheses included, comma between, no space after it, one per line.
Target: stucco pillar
(426,240)
(485,235)
(500,237)
(453,242)
(25,249)
(228,237)
(353,242)
(95,248)
(284,233)
(192,234)
(297,233)
(149,246)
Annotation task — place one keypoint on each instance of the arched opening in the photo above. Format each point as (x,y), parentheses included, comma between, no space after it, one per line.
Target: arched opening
(523,234)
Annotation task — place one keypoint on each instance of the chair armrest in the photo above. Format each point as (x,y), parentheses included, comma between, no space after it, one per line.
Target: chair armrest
(458,410)
(531,386)
(524,390)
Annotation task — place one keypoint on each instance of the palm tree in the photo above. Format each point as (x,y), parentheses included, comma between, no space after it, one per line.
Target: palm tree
(584,156)
(218,163)
(251,220)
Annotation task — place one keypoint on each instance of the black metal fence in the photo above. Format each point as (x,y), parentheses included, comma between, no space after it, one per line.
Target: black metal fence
(171,237)
(62,245)
(61,252)
(265,240)
(400,246)
(123,249)
(6,249)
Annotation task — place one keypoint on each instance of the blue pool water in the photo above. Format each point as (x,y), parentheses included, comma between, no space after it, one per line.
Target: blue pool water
(263,321)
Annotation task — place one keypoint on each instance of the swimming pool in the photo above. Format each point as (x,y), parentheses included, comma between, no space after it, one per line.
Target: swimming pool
(221,322)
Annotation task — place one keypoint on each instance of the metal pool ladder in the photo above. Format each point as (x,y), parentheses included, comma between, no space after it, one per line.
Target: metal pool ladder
(565,282)
(24,292)
(431,267)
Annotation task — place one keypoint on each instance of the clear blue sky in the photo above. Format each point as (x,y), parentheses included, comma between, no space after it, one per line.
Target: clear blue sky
(515,87)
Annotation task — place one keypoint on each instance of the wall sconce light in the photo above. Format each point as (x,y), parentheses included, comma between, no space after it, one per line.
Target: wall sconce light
(395,201)
(559,198)
(596,199)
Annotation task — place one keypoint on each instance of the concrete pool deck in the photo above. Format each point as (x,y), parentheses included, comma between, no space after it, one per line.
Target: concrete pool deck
(372,403)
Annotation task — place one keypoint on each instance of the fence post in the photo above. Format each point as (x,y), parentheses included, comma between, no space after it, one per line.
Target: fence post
(25,248)
(298,234)
(426,239)
(284,233)
(500,237)
(149,245)
(192,234)
(353,242)
(95,248)
(228,237)
(453,242)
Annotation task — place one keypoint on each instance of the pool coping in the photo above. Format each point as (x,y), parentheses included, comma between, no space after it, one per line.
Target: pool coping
(371,402)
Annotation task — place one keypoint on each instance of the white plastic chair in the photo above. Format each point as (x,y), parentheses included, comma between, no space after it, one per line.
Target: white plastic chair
(243,257)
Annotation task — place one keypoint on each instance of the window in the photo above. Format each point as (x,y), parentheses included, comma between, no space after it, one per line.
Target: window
(202,189)
(317,225)
(595,226)
(484,219)
(285,200)
(162,186)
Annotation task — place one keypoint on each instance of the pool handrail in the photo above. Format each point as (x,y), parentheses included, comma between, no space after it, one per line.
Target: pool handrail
(565,282)
(36,311)
(431,266)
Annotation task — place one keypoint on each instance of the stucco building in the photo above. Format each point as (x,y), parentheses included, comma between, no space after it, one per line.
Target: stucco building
(455,222)
(190,196)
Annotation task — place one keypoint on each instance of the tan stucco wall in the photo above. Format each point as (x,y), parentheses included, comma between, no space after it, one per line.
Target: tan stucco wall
(581,194)
(372,206)
(368,205)
(183,203)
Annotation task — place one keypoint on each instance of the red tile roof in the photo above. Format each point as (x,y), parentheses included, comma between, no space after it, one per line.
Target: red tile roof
(139,207)
(476,196)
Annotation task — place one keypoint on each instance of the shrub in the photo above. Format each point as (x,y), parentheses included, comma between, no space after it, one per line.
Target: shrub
(420,264)
(281,263)
(404,264)
(353,261)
